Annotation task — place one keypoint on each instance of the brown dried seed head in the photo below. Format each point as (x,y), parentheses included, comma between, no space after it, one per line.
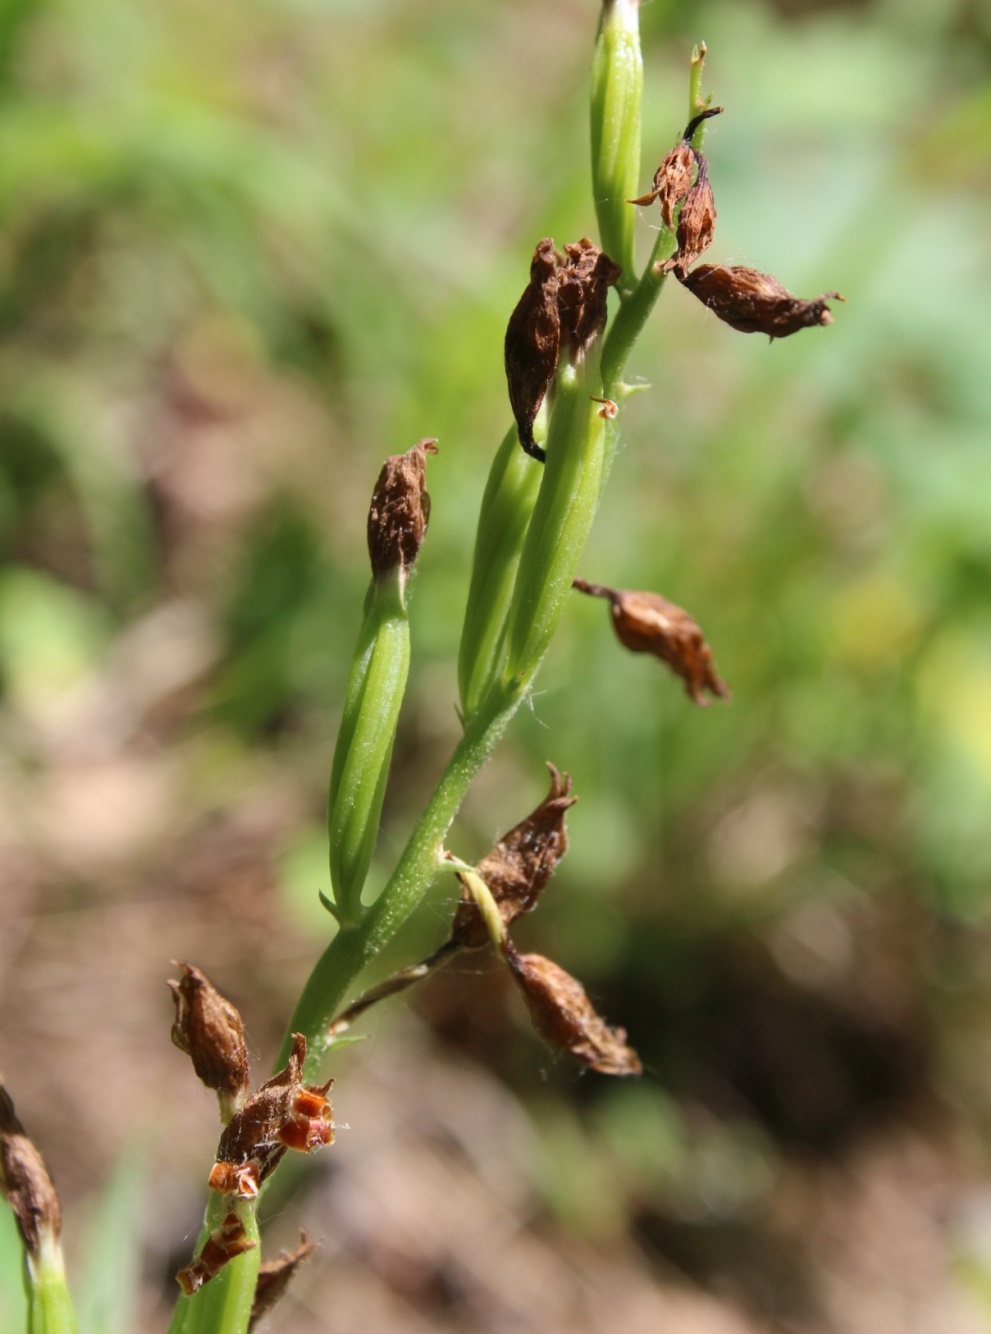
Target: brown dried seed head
(648,623)
(400,509)
(564,1016)
(519,866)
(25,1183)
(275,1276)
(563,308)
(283,1114)
(755,302)
(211,1032)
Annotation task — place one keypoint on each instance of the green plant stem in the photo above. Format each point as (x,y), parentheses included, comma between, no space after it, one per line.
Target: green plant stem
(355,946)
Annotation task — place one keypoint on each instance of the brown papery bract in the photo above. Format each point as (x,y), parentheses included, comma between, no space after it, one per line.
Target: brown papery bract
(755,302)
(564,1016)
(519,866)
(211,1032)
(400,510)
(648,623)
(25,1183)
(275,1276)
(683,178)
(696,223)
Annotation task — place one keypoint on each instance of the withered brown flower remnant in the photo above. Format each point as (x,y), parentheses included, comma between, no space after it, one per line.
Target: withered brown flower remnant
(564,1016)
(648,623)
(562,310)
(400,510)
(209,1029)
(25,1183)
(225,1243)
(283,1114)
(519,866)
(755,302)
(683,178)
(275,1276)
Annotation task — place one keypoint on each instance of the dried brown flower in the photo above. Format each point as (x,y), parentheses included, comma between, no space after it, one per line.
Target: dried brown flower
(400,509)
(211,1032)
(283,1114)
(225,1243)
(519,866)
(563,307)
(25,1183)
(275,1276)
(755,302)
(648,623)
(564,1016)
(683,178)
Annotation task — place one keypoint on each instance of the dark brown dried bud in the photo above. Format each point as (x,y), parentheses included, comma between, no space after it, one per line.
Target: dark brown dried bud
(519,866)
(564,1016)
(25,1183)
(648,623)
(283,1114)
(564,305)
(674,185)
(400,509)
(225,1243)
(209,1029)
(275,1276)
(754,302)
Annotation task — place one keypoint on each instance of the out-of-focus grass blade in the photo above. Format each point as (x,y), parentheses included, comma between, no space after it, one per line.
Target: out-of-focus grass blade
(13,1307)
(108,1286)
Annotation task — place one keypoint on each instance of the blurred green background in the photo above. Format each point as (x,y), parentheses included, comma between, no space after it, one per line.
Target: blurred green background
(247,251)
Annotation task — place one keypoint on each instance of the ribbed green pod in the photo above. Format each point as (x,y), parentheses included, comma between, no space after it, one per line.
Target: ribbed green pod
(617,95)
(562,517)
(507,505)
(360,771)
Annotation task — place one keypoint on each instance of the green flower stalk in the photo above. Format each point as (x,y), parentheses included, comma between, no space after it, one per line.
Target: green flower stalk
(397,522)
(617,94)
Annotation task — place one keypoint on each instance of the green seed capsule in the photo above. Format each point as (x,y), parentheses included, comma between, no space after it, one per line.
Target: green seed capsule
(617,94)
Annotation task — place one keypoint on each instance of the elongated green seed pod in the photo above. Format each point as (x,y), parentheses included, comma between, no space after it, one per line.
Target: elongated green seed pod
(507,505)
(617,94)
(363,753)
(397,523)
(562,517)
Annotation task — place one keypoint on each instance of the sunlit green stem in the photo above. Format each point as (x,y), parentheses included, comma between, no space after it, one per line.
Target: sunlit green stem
(355,946)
